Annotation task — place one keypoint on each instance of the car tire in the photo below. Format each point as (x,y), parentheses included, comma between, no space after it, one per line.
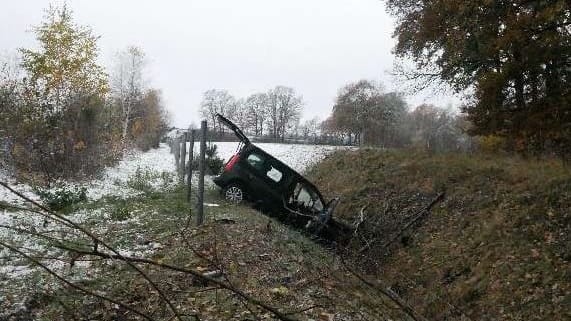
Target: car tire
(234,193)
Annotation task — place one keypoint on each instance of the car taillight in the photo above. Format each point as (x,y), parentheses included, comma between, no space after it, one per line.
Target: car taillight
(231,162)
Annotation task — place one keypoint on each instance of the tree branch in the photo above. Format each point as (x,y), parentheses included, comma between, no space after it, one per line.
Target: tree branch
(96,240)
(77,287)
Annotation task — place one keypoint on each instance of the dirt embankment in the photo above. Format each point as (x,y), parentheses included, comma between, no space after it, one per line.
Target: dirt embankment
(497,248)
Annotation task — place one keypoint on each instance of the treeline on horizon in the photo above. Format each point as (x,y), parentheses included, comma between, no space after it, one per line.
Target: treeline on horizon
(62,115)
(363,114)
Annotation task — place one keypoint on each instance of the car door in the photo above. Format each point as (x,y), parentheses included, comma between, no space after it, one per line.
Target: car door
(266,177)
(255,163)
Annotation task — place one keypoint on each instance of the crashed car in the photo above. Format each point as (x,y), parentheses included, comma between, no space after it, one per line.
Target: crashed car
(256,176)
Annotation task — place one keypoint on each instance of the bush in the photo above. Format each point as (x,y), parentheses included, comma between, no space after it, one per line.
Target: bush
(167,179)
(492,144)
(121,212)
(141,180)
(144,178)
(214,163)
(61,196)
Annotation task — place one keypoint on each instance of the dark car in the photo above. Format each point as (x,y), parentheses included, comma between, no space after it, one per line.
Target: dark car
(254,175)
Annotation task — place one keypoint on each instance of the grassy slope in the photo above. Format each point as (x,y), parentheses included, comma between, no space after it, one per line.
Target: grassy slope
(498,247)
(260,256)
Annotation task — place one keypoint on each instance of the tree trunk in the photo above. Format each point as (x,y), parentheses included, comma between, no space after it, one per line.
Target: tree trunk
(125,131)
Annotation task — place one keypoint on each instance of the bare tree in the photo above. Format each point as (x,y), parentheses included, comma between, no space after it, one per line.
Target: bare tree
(257,107)
(127,85)
(276,112)
(311,129)
(10,91)
(216,101)
(10,86)
(239,113)
(363,111)
(284,110)
(384,123)
(354,107)
(436,128)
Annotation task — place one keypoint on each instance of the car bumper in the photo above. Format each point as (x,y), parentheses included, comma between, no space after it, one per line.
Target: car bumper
(218,180)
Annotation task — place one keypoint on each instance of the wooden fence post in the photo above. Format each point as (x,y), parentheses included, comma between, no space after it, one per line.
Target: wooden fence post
(201,166)
(183,157)
(190,158)
(176,151)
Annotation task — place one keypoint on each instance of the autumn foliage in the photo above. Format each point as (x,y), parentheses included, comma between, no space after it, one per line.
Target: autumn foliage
(512,57)
(57,113)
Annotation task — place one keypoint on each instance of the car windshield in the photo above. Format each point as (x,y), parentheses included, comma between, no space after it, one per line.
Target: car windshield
(305,198)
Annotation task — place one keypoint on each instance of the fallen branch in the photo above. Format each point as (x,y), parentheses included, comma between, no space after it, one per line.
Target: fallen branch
(416,217)
(199,275)
(361,219)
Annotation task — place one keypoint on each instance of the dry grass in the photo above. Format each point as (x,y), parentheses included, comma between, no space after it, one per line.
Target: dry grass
(499,247)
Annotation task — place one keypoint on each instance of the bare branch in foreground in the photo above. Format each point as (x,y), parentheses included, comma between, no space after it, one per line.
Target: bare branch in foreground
(131,260)
(96,241)
(75,286)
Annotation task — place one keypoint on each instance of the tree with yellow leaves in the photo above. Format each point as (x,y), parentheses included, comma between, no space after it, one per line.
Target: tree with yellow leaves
(65,66)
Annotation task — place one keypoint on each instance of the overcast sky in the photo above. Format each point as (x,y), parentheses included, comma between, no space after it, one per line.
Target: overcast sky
(243,46)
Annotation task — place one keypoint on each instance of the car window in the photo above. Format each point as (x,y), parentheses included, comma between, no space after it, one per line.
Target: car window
(306,197)
(256,161)
(274,174)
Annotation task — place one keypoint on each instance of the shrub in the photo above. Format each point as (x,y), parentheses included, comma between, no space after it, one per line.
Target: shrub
(147,180)
(120,213)
(214,163)
(141,180)
(167,179)
(61,196)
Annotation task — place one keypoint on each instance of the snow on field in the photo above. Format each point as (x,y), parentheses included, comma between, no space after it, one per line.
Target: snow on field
(114,179)
(160,160)
(298,157)
(9,197)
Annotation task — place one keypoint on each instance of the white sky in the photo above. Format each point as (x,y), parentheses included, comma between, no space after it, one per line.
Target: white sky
(243,46)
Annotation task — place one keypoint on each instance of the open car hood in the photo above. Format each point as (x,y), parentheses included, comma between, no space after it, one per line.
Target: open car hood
(237,131)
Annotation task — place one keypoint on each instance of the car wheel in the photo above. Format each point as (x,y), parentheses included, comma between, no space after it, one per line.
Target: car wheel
(234,193)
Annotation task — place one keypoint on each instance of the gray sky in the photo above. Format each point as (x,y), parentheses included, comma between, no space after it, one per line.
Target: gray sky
(246,46)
